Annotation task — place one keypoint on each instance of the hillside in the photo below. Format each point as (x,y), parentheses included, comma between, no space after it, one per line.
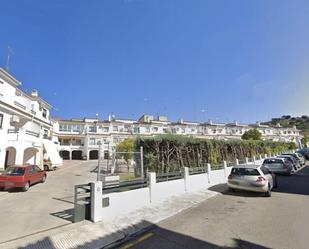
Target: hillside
(302,123)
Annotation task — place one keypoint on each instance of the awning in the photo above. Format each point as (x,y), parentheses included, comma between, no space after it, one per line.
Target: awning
(52,153)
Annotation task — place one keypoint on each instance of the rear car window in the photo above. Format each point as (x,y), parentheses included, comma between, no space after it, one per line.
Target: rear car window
(15,171)
(245,172)
(271,161)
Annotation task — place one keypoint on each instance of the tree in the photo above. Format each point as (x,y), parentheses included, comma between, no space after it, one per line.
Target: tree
(252,134)
(127,145)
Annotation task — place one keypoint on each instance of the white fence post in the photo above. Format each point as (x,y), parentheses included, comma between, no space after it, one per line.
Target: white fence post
(208,171)
(254,160)
(237,161)
(225,169)
(186,177)
(261,158)
(152,183)
(265,156)
(96,201)
(247,160)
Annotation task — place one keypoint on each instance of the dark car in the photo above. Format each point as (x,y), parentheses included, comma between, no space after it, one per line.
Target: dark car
(304,152)
(21,177)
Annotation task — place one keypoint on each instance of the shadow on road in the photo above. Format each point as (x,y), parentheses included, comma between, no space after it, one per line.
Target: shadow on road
(153,237)
(67,215)
(223,189)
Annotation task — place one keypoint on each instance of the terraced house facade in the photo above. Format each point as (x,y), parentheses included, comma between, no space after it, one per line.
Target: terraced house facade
(25,126)
(81,138)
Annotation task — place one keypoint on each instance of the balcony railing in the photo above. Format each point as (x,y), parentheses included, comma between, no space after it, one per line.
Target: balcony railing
(32,133)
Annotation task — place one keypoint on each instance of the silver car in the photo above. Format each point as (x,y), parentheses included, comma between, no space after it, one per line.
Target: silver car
(278,165)
(297,156)
(256,178)
(295,163)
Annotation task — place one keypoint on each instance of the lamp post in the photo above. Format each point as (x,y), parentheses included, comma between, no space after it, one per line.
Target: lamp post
(99,161)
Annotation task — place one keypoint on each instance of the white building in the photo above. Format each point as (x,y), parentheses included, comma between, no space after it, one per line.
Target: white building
(25,126)
(79,138)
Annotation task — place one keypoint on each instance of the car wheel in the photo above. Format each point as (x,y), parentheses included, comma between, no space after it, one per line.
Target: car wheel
(26,187)
(43,178)
(268,193)
(1,188)
(275,182)
(46,168)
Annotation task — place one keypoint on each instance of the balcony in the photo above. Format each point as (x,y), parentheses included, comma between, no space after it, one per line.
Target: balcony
(23,135)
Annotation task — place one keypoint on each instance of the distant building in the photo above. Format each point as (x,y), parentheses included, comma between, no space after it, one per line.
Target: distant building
(25,126)
(79,138)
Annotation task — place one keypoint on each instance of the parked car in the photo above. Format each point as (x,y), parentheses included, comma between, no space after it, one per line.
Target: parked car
(278,165)
(291,159)
(304,152)
(297,156)
(21,177)
(256,178)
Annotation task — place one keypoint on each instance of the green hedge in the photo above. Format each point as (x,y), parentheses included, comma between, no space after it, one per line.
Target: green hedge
(167,153)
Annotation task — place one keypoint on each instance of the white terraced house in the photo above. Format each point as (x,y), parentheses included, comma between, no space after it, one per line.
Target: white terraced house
(25,126)
(79,138)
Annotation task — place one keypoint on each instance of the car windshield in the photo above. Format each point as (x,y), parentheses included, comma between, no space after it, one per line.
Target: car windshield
(15,171)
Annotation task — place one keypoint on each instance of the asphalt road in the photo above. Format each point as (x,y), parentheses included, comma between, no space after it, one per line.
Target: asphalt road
(44,206)
(239,220)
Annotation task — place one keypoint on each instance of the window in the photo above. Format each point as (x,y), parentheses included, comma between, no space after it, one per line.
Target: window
(92,129)
(147,129)
(64,141)
(44,113)
(15,171)
(155,129)
(1,120)
(115,128)
(245,172)
(105,129)
(92,141)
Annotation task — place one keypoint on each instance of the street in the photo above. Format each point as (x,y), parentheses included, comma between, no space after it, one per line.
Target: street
(44,206)
(239,220)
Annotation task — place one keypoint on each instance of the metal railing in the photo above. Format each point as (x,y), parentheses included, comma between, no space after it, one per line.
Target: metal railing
(170,176)
(197,170)
(122,186)
(216,166)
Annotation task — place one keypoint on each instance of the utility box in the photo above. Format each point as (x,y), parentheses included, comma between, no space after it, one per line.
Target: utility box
(82,202)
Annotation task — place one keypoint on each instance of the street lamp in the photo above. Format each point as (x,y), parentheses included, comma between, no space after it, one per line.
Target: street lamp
(99,161)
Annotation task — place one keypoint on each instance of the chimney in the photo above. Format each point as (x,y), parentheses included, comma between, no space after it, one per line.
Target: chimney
(34,93)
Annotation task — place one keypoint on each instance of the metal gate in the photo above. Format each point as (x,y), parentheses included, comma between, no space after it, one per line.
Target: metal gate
(82,202)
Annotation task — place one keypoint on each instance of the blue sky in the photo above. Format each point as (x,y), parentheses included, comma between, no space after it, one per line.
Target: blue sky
(237,60)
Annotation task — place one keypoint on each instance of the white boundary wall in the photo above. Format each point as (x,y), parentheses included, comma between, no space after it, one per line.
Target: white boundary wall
(128,201)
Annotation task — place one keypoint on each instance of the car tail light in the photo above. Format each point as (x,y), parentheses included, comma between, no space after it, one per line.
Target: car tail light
(260,179)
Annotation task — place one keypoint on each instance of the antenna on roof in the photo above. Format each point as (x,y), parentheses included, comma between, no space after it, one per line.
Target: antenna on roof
(10,52)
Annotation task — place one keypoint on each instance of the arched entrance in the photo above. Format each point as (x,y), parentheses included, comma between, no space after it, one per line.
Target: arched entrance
(31,156)
(93,155)
(77,155)
(64,154)
(10,157)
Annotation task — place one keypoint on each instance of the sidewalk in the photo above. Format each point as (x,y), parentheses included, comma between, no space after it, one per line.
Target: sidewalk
(109,232)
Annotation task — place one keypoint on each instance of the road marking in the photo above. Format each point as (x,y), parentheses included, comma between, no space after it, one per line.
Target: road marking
(135,242)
